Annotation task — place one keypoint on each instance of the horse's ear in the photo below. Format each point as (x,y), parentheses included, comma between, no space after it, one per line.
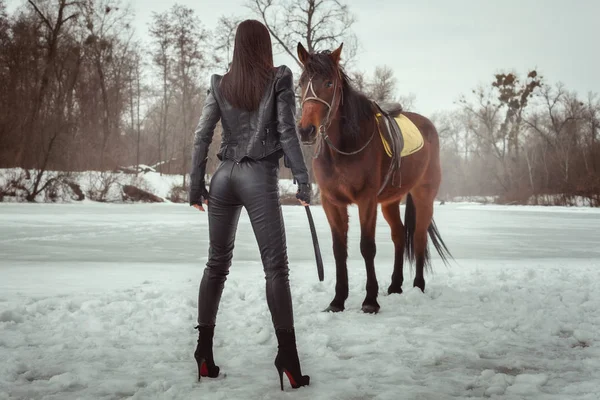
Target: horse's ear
(336,55)
(302,53)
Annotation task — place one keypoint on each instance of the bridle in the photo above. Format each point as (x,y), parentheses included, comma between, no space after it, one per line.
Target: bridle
(322,130)
(324,126)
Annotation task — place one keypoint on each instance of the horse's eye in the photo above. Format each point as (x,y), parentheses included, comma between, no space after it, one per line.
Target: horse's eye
(328,84)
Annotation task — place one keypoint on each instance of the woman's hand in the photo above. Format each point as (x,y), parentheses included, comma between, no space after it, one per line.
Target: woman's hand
(199,206)
(203,199)
(304,194)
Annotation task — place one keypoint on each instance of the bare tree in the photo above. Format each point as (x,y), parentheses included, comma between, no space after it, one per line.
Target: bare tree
(558,124)
(591,151)
(496,120)
(531,152)
(318,24)
(225,38)
(134,79)
(5,45)
(107,22)
(188,40)
(160,30)
(47,119)
(3,20)
(383,86)
(593,117)
(359,80)
(54,26)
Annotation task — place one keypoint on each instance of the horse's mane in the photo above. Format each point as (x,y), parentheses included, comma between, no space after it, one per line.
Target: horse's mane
(355,107)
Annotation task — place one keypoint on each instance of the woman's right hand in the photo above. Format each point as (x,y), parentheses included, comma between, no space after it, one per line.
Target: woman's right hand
(198,200)
(199,207)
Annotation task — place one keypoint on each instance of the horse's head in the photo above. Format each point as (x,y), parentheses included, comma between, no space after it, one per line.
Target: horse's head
(322,89)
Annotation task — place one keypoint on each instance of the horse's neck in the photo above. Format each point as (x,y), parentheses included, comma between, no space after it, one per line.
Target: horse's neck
(334,134)
(343,141)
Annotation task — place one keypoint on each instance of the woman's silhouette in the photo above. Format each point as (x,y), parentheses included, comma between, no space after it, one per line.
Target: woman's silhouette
(255,102)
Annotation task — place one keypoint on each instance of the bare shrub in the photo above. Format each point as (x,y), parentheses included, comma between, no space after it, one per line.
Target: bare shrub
(140,182)
(179,194)
(100,185)
(24,185)
(132,193)
(516,195)
(76,189)
(14,184)
(288,199)
(53,190)
(62,187)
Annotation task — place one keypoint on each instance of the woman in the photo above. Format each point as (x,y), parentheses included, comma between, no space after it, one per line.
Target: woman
(256,105)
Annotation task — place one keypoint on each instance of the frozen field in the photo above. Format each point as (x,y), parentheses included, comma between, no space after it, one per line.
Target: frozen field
(99,302)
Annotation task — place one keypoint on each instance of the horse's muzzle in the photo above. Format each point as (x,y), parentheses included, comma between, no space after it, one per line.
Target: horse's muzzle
(308,135)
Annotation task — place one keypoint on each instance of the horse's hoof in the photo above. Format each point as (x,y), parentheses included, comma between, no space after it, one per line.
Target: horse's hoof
(420,284)
(394,290)
(334,309)
(370,309)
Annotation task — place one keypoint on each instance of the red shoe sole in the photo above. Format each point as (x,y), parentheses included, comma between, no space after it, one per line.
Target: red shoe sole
(292,381)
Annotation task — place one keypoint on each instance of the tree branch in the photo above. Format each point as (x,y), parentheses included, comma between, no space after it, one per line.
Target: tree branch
(263,14)
(70,17)
(37,10)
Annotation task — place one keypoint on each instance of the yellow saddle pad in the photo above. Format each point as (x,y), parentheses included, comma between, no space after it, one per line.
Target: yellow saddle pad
(413,139)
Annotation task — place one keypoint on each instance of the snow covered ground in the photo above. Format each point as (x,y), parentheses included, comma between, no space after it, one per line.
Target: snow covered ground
(98,301)
(93,183)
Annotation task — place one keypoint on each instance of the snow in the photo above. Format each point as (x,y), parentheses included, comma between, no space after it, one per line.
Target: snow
(528,209)
(98,301)
(162,185)
(536,200)
(158,184)
(287,186)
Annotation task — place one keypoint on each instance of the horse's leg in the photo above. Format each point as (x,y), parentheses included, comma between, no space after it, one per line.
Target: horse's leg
(338,221)
(391,213)
(368,219)
(423,201)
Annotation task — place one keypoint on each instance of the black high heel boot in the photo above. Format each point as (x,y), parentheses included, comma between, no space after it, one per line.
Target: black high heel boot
(204,354)
(287,359)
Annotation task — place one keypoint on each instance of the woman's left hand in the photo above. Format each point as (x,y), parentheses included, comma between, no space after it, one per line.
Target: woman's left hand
(304,193)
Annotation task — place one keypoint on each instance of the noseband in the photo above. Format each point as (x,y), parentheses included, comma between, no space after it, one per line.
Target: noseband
(327,123)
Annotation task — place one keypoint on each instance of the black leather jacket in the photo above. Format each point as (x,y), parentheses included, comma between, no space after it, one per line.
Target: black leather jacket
(268,131)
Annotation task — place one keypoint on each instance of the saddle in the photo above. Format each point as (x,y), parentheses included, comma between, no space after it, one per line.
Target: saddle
(400,138)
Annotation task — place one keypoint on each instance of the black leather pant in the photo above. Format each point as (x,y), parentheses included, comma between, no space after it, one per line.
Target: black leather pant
(253,185)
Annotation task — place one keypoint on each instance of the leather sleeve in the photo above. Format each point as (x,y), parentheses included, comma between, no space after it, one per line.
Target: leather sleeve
(202,139)
(286,126)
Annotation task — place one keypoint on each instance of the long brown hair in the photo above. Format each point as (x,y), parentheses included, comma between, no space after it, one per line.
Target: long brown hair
(251,68)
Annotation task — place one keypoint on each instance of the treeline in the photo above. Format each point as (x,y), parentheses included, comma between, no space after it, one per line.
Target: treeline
(522,139)
(80,90)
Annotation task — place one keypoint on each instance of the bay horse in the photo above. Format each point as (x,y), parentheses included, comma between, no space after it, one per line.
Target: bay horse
(350,168)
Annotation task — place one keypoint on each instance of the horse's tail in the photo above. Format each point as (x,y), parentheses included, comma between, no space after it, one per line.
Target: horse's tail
(410,222)
(438,242)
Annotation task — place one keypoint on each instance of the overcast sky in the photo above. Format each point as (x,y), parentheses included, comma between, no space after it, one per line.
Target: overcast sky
(439,49)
